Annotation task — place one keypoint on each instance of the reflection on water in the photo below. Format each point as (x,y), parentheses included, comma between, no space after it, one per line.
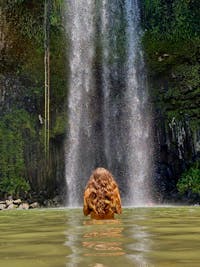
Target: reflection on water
(140,237)
(93,239)
(142,242)
(103,239)
(73,236)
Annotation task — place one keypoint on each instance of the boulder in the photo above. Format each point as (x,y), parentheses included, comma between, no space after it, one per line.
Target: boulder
(24,206)
(56,201)
(11,206)
(48,203)
(2,206)
(17,201)
(34,205)
(9,202)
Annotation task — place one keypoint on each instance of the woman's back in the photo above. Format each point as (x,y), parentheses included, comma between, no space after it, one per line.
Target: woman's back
(101,196)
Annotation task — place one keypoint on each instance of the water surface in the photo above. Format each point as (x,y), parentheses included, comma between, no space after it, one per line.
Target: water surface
(157,236)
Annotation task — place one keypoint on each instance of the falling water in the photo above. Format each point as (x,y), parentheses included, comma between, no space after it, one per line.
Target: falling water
(109,121)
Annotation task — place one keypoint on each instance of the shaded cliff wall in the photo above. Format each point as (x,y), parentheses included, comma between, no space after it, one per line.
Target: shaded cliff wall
(22,97)
(172,44)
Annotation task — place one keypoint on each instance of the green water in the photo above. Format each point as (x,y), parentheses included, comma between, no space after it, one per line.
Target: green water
(165,236)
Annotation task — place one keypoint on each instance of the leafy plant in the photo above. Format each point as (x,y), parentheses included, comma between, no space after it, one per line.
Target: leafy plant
(190,180)
(13,127)
(14,186)
(177,19)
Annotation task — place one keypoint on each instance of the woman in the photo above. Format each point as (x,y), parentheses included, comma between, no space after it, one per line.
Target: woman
(101,196)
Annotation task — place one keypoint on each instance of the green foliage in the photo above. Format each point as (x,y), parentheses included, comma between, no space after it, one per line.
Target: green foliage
(12,164)
(56,11)
(190,180)
(59,125)
(178,19)
(58,69)
(156,16)
(14,186)
(172,44)
(187,76)
(29,23)
(21,117)
(164,55)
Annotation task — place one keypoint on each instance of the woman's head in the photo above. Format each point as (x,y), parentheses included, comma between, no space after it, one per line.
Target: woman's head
(101,176)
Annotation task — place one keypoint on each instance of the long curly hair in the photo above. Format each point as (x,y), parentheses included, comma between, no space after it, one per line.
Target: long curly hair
(101,197)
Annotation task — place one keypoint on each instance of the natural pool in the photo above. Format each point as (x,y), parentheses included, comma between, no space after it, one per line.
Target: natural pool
(156,236)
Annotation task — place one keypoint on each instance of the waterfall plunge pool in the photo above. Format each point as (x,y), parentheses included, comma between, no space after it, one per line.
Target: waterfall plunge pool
(154,236)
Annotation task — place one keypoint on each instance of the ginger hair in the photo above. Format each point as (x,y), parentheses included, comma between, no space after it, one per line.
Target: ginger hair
(101,196)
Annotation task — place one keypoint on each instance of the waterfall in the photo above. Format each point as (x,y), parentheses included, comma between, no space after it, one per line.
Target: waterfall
(140,144)
(108,111)
(81,84)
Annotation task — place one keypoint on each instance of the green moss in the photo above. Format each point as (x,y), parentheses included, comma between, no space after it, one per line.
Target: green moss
(173,63)
(58,62)
(59,125)
(12,163)
(22,120)
(172,20)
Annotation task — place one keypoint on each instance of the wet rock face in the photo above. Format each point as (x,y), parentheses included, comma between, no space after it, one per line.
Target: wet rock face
(177,142)
(172,57)
(15,93)
(22,94)
(174,88)
(10,92)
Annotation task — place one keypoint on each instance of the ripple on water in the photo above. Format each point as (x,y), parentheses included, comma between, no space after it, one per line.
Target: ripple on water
(159,236)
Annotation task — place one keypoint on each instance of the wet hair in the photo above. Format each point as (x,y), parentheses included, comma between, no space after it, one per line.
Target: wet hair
(101,195)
